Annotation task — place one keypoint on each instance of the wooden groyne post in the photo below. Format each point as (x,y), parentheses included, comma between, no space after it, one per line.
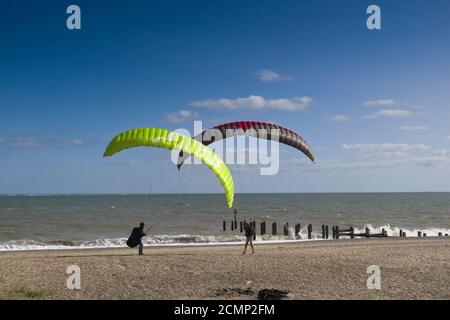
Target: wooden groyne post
(263,228)
(297,231)
(286,229)
(309,231)
(224,226)
(326,231)
(323,232)
(274,229)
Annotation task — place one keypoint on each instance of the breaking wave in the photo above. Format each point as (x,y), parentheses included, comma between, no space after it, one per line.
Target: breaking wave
(195,240)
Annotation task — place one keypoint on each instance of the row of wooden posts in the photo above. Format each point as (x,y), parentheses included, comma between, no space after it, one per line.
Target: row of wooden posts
(336,232)
(419,234)
(262,230)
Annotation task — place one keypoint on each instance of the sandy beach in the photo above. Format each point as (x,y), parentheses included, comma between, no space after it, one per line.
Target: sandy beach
(411,268)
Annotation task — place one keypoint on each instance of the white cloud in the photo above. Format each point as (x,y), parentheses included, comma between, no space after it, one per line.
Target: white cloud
(180,116)
(414,128)
(76,142)
(22,141)
(443,152)
(340,118)
(429,161)
(384,147)
(30,141)
(257,103)
(394,109)
(385,150)
(267,75)
(380,103)
(394,113)
(437,158)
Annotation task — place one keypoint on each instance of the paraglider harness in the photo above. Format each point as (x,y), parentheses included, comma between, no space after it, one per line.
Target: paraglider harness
(136,235)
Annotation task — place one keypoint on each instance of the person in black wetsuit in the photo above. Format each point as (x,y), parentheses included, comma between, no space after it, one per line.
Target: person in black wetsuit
(136,238)
(249,236)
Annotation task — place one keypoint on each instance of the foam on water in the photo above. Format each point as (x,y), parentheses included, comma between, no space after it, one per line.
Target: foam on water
(394,231)
(199,240)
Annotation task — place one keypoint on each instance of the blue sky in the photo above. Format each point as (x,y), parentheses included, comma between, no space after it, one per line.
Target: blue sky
(374,105)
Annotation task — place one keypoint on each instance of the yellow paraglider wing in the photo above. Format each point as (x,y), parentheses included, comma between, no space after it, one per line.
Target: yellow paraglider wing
(162,138)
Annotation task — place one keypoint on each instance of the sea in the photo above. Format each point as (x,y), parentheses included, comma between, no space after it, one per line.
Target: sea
(37,222)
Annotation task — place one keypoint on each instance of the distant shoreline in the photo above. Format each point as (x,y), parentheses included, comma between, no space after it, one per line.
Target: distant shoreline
(123,246)
(166,245)
(208,245)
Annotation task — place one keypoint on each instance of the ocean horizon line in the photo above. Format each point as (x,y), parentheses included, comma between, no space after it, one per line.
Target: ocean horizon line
(208,193)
